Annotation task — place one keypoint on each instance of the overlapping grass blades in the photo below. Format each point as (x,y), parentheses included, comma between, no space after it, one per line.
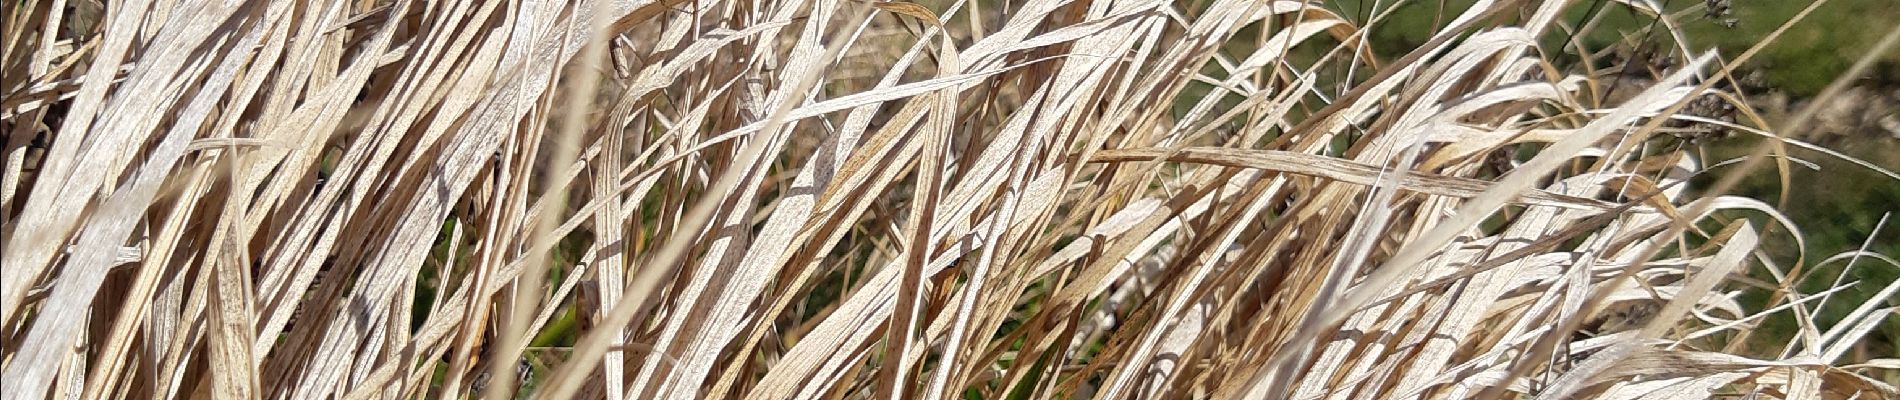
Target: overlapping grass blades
(853,199)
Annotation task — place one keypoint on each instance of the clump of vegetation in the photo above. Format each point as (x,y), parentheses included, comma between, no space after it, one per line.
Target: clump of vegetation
(887,199)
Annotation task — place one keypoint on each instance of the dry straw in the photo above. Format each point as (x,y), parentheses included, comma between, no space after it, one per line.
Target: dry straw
(862,199)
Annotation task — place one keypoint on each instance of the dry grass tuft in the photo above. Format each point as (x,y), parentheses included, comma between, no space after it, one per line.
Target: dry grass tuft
(860,199)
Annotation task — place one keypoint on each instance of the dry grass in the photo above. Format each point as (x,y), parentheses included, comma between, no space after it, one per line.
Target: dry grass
(853,199)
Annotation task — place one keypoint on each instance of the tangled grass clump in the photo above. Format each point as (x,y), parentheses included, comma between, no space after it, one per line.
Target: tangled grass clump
(876,199)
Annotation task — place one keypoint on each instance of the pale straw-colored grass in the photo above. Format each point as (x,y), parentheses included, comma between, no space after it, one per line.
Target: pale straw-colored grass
(861,199)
